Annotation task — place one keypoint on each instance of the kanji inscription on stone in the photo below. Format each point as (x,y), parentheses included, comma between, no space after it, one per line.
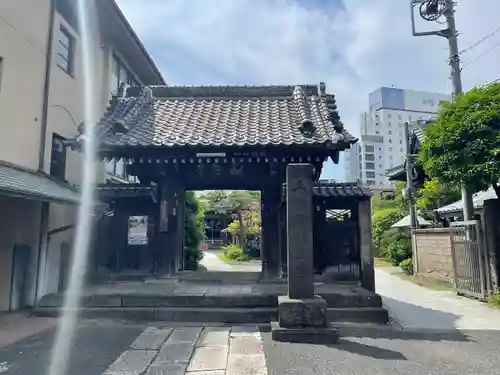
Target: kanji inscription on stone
(300,230)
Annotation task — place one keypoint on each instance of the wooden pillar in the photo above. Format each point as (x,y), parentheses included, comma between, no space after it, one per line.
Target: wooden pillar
(365,244)
(283,243)
(167,237)
(120,236)
(181,212)
(319,253)
(270,247)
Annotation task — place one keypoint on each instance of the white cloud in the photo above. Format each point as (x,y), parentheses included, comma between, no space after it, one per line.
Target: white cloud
(354,48)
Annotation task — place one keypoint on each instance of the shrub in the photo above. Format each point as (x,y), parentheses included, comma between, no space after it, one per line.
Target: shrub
(407,266)
(381,224)
(234,252)
(194,232)
(399,249)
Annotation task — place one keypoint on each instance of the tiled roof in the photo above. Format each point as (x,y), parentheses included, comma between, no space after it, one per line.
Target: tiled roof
(341,190)
(177,116)
(115,191)
(25,183)
(477,201)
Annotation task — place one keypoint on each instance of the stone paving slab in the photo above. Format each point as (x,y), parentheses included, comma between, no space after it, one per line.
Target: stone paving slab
(214,336)
(152,338)
(193,351)
(209,358)
(132,362)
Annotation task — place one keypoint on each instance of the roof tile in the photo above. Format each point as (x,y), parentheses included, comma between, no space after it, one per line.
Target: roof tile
(223,116)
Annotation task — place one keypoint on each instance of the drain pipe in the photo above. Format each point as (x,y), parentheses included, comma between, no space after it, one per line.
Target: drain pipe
(44,212)
(46,87)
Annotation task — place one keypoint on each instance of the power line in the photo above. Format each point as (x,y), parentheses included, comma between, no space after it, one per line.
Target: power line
(482,55)
(480,41)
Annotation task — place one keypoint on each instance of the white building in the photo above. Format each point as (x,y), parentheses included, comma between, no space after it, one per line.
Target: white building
(382,143)
(41,106)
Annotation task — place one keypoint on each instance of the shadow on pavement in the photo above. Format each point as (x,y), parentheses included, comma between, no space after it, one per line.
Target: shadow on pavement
(367,350)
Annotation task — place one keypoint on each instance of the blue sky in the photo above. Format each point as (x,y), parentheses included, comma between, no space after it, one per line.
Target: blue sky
(352,45)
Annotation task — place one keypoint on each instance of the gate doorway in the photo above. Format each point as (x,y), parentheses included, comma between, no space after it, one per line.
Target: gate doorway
(469,259)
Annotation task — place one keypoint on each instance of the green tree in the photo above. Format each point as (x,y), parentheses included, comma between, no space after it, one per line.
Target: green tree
(434,194)
(194,231)
(463,146)
(238,202)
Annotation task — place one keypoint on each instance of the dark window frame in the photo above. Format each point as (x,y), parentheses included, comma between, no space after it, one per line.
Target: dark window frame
(69,48)
(58,157)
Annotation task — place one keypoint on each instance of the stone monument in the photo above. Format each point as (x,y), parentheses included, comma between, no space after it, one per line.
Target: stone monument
(302,316)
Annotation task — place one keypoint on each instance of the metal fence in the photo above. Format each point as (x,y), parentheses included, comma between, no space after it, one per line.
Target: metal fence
(469,258)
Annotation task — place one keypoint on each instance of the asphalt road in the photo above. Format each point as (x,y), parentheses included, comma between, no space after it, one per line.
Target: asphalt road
(384,353)
(96,347)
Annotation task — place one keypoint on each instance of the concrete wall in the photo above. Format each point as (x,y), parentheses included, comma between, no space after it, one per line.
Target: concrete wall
(23,41)
(19,223)
(434,253)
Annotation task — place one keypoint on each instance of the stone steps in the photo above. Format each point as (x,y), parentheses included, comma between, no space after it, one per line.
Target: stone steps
(234,315)
(201,301)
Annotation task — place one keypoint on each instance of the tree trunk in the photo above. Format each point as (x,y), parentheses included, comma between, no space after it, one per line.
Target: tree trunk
(242,229)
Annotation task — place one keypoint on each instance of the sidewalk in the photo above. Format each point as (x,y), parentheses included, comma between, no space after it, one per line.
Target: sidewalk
(212,262)
(416,307)
(18,325)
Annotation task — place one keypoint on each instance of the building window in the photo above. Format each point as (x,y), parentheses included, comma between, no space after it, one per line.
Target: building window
(390,140)
(58,157)
(120,75)
(369,148)
(65,51)
(370,182)
(390,131)
(370,166)
(400,141)
(399,117)
(370,174)
(369,157)
(376,132)
(388,115)
(390,148)
(400,150)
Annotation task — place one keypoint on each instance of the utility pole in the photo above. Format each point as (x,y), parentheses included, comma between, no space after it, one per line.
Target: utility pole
(409,174)
(433,10)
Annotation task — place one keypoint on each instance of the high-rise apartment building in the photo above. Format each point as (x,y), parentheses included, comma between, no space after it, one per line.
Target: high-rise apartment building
(382,143)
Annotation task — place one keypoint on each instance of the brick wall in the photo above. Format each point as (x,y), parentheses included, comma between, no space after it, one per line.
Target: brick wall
(433,249)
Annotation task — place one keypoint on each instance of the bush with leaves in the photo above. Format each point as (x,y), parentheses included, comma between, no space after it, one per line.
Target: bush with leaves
(399,249)
(463,146)
(407,266)
(234,252)
(381,224)
(194,232)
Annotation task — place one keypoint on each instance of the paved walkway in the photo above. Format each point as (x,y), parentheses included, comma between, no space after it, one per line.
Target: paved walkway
(212,262)
(417,307)
(19,325)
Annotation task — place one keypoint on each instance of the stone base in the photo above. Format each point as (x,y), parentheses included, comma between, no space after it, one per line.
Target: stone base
(308,335)
(302,313)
